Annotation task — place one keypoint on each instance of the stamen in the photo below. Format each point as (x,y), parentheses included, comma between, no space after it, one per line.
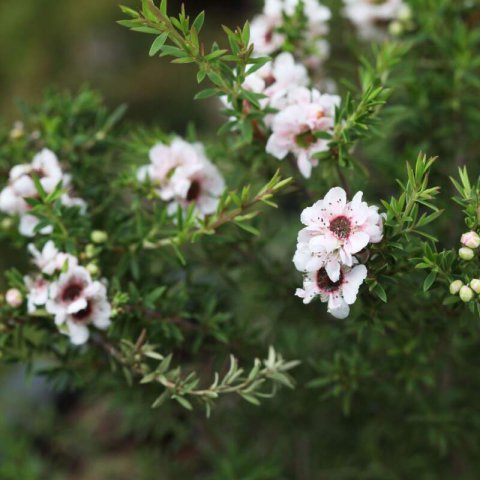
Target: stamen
(341,227)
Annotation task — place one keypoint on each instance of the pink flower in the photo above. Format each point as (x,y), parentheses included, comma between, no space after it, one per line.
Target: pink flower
(265,31)
(183,175)
(50,259)
(77,302)
(336,230)
(372,17)
(46,168)
(297,128)
(200,184)
(37,292)
(339,294)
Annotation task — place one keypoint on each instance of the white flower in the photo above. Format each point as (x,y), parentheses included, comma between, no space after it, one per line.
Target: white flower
(21,186)
(306,260)
(164,159)
(265,28)
(294,128)
(77,302)
(264,35)
(28,224)
(200,184)
(340,294)
(50,259)
(274,80)
(182,175)
(37,295)
(336,230)
(371,17)
(318,15)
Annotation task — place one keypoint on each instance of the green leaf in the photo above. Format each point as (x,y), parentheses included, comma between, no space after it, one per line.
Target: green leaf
(183,402)
(158,44)
(429,281)
(248,228)
(198,22)
(380,292)
(209,92)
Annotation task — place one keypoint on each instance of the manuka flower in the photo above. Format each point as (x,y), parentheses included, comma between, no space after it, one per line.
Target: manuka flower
(372,17)
(37,295)
(300,128)
(46,168)
(274,80)
(50,259)
(335,230)
(183,175)
(339,294)
(265,30)
(78,302)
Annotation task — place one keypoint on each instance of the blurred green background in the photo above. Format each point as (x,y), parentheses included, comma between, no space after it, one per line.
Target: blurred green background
(68,43)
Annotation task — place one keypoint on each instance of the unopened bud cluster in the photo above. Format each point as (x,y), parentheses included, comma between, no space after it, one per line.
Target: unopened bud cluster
(465,292)
(470,242)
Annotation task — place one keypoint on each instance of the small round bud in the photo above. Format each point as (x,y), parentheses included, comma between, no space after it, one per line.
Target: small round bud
(14,297)
(101,135)
(470,240)
(396,28)
(7,223)
(475,285)
(17,131)
(93,269)
(405,13)
(466,294)
(90,250)
(455,287)
(466,253)
(99,236)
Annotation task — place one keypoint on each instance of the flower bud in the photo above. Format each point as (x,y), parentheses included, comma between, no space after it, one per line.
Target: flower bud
(396,28)
(93,269)
(101,135)
(17,131)
(99,236)
(466,294)
(470,240)
(475,285)
(7,223)
(466,253)
(405,13)
(90,250)
(455,287)
(14,297)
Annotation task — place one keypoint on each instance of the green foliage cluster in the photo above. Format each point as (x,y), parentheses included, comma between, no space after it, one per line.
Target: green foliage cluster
(389,393)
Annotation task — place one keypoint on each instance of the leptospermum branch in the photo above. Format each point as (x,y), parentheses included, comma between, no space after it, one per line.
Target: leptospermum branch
(223,216)
(135,360)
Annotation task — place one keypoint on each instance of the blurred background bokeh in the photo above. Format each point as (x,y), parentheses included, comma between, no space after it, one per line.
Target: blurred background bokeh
(69,43)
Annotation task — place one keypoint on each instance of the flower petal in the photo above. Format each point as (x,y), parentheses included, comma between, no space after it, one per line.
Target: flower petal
(357,242)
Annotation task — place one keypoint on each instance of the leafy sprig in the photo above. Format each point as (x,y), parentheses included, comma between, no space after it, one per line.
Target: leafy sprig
(261,381)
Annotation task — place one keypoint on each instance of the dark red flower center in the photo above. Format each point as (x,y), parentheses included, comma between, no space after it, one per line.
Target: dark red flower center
(341,227)
(72,292)
(305,139)
(269,81)
(269,36)
(325,284)
(83,314)
(194,191)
